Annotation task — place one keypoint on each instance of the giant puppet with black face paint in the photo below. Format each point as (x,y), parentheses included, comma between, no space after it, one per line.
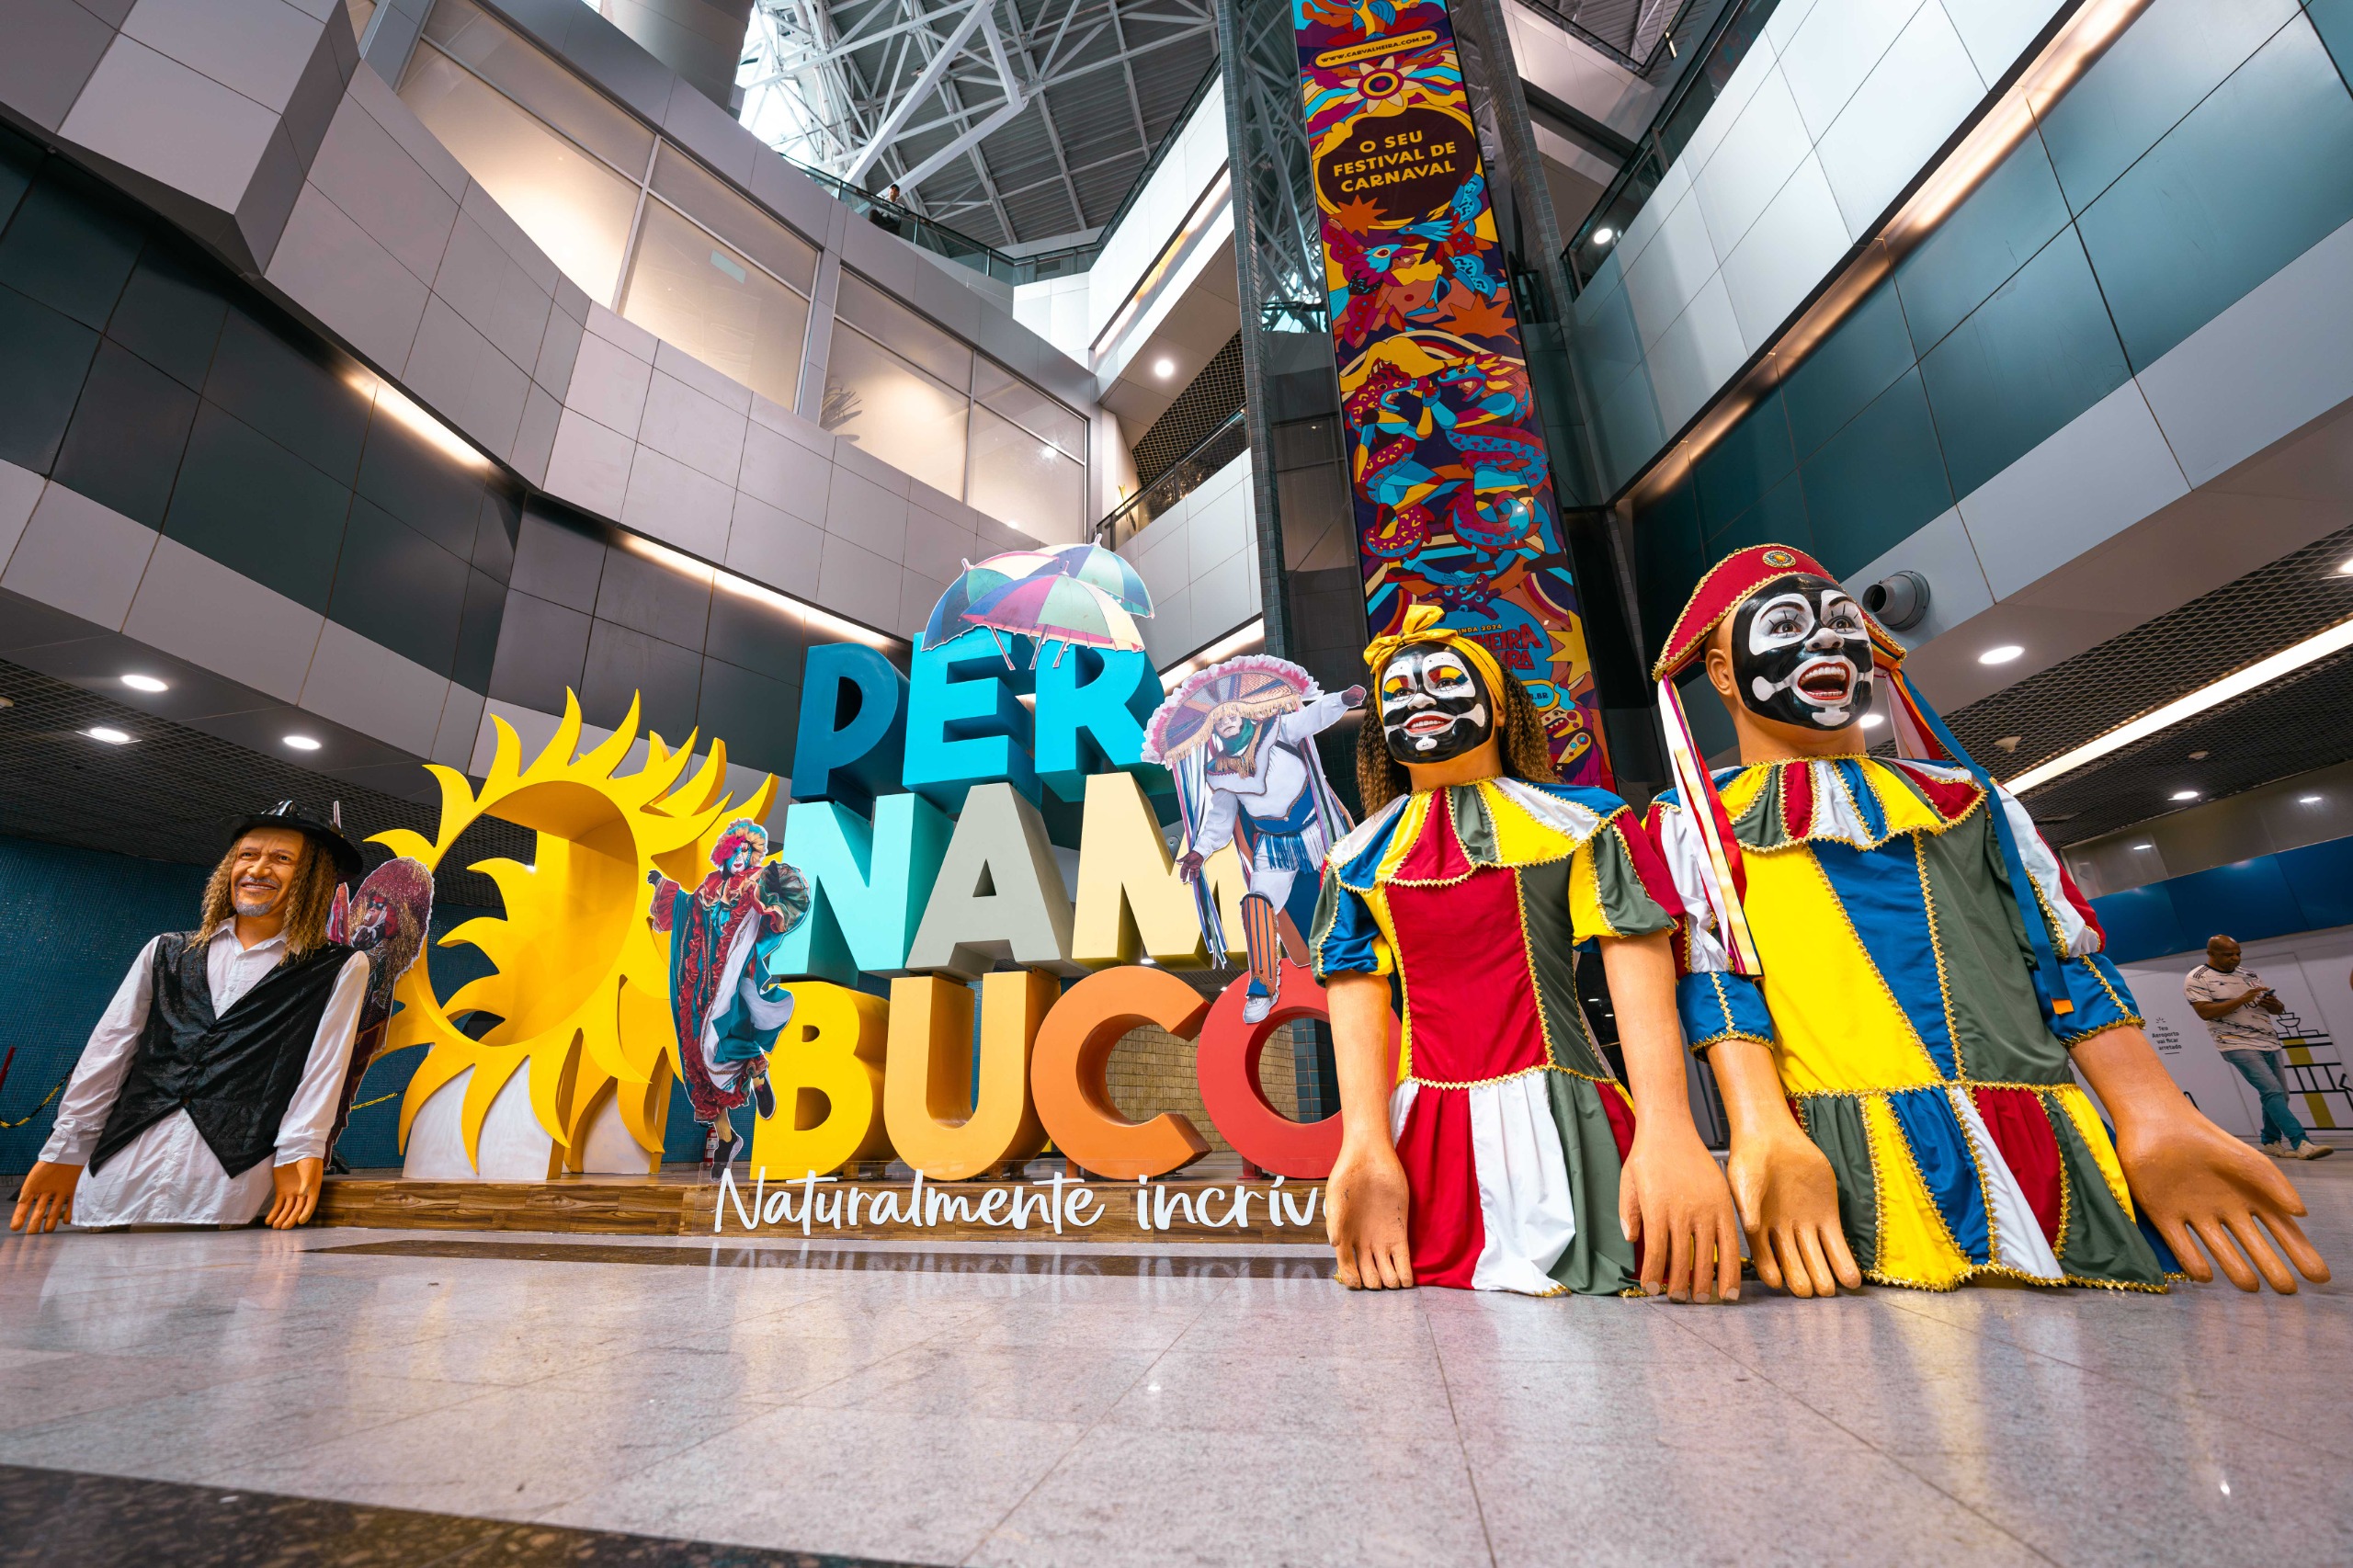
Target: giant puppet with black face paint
(1889,945)
(1802,654)
(1504,1155)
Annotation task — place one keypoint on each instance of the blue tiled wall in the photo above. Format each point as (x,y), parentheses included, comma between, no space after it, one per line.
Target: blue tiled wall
(135,370)
(2210,146)
(2272,895)
(74,920)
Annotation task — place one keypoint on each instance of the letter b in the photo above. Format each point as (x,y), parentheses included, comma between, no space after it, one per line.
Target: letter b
(831,1052)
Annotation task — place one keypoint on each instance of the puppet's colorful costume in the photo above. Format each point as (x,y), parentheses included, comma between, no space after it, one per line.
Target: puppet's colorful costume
(1510,1126)
(1909,1005)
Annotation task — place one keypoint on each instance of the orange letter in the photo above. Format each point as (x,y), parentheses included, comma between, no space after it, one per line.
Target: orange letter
(927,1100)
(1066,1073)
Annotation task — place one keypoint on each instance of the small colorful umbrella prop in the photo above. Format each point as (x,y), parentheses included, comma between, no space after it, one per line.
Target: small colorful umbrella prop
(977,583)
(1103,569)
(1050,607)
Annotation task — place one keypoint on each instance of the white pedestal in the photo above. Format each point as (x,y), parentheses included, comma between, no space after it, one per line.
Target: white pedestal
(515,1147)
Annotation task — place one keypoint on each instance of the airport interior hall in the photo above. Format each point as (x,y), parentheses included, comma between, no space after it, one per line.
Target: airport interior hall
(1122,783)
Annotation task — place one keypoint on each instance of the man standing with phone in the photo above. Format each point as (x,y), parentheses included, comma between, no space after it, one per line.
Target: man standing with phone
(2239,1010)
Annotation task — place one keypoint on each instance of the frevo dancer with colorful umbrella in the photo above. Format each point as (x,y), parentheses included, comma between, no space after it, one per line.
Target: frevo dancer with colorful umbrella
(1890,947)
(1239,739)
(1504,1155)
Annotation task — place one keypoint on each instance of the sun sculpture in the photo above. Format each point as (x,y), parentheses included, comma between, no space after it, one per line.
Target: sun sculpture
(580,981)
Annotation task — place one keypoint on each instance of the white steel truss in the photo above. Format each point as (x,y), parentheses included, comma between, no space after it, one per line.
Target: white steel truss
(906,92)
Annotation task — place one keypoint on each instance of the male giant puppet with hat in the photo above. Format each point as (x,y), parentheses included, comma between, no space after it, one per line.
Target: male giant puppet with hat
(209,1088)
(1889,947)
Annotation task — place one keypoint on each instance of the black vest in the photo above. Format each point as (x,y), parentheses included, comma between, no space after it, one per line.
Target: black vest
(234,1075)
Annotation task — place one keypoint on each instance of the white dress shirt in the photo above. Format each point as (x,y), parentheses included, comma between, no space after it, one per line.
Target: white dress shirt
(168,1175)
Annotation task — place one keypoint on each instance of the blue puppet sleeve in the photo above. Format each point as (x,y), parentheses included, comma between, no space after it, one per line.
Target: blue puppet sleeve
(1347,938)
(1715,1007)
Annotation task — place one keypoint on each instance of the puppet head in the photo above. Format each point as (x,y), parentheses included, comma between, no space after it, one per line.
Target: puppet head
(1438,696)
(282,861)
(1792,653)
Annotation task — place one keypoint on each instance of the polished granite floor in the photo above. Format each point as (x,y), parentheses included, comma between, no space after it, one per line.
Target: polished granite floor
(989,1406)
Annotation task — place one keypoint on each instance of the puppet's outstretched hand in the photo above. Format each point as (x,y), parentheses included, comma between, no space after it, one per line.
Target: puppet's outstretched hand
(46,1199)
(1365,1201)
(2192,1179)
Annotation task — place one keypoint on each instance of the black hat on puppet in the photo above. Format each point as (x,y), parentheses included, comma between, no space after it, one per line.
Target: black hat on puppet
(325,831)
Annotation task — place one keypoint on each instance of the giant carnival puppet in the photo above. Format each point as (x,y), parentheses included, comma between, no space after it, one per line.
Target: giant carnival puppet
(1239,739)
(208,1087)
(1503,1155)
(726,1007)
(1888,946)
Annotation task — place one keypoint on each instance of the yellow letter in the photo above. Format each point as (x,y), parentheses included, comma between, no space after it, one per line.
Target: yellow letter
(1129,896)
(830,1051)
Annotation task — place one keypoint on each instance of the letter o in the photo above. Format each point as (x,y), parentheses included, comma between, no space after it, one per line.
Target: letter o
(1226,1065)
(1066,1072)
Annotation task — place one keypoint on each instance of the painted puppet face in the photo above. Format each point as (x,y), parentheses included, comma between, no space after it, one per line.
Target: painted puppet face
(1434,707)
(1802,654)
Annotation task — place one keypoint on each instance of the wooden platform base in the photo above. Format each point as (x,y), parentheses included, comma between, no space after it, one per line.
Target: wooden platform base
(1034,1208)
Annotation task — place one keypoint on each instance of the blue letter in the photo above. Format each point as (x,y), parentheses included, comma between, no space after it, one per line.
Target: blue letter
(964,725)
(853,707)
(868,885)
(1091,708)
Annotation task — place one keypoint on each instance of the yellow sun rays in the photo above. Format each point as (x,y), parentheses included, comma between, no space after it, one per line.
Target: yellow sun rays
(580,982)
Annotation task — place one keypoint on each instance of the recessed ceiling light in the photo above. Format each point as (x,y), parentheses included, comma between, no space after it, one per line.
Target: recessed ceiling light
(2200,756)
(1873,720)
(108,734)
(2308,800)
(145,683)
(2145,847)
(1604,234)
(2001,655)
(303,743)
(2344,568)
(1164,368)
(2185,795)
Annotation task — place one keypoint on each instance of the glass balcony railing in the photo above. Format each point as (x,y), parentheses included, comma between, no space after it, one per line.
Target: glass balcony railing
(1186,474)
(1670,131)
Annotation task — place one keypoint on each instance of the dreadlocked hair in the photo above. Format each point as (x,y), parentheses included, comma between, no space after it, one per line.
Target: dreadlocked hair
(1380,777)
(310,899)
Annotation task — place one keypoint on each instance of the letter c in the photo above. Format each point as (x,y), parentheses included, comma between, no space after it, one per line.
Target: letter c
(1067,1067)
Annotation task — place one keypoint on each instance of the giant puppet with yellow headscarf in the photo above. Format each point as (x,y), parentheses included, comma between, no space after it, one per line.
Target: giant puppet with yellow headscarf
(1888,946)
(1503,1154)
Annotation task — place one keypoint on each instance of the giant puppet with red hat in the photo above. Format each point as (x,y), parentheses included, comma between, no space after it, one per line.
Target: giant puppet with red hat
(1886,947)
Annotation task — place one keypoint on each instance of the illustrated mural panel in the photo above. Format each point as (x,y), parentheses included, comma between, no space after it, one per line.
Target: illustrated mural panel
(1454,502)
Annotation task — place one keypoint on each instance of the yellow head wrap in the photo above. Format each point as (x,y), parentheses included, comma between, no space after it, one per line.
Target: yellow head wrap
(1422,626)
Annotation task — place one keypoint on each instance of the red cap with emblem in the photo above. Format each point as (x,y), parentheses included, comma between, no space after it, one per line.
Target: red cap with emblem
(1720,593)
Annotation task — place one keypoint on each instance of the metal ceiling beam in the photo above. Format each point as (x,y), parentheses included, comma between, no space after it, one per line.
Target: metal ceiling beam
(884,133)
(861,88)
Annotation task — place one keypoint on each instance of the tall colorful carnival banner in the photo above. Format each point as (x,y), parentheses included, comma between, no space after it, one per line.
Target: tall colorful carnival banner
(1453,487)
